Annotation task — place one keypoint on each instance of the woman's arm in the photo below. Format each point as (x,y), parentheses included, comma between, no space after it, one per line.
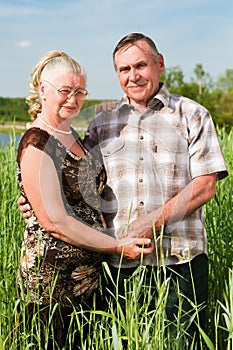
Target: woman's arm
(41,184)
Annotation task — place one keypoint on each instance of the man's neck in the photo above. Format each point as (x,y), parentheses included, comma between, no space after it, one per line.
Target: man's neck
(141,107)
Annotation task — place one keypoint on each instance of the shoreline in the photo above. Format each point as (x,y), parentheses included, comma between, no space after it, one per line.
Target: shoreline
(10,126)
(4,127)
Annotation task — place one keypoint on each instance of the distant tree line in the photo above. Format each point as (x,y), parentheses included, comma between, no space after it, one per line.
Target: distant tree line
(217,97)
(15,110)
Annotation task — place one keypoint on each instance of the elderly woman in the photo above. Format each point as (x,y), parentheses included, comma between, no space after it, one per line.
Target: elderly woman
(65,243)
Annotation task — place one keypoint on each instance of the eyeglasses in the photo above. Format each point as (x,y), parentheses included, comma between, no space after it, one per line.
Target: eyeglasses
(80,94)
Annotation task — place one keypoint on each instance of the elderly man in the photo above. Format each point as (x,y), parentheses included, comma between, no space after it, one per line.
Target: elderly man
(162,158)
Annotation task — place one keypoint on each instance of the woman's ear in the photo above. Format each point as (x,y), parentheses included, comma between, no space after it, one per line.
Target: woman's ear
(42,90)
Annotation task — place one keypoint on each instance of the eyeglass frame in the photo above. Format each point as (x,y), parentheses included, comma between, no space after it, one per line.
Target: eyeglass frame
(67,94)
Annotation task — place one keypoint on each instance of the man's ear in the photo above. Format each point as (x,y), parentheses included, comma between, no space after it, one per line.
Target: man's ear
(161,63)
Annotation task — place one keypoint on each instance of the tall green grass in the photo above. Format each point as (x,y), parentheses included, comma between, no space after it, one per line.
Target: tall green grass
(219,224)
(11,228)
(139,327)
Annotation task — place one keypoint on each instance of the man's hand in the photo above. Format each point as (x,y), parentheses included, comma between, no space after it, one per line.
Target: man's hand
(142,227)
(25,208)
(106,106)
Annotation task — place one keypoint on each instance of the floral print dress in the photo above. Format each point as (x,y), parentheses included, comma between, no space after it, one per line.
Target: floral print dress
(51,269)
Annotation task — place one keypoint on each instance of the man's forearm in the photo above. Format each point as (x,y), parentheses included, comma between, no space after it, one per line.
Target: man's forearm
(193,196)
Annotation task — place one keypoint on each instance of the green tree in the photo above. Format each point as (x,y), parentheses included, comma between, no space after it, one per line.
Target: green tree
(202,79)
(224,108)
(173,77)
(225,82)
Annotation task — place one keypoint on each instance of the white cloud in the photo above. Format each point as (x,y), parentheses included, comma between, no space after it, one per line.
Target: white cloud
(24,43)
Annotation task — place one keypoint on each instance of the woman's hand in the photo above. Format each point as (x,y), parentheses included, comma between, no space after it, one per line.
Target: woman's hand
(134,248)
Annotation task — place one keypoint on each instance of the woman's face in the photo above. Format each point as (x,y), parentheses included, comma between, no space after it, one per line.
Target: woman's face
(60,95)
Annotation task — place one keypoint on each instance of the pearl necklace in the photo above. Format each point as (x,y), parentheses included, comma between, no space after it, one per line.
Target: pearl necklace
(52,128)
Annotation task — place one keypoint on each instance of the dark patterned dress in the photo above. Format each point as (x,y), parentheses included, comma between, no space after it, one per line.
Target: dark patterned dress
(51,269)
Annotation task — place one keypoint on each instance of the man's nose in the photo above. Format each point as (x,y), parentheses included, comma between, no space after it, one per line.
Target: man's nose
(133,75)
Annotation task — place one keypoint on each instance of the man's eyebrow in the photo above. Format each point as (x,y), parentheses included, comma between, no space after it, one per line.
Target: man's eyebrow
(124,67)
(136,64)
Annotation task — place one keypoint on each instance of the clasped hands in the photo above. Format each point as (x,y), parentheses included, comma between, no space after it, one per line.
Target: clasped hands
(140,228)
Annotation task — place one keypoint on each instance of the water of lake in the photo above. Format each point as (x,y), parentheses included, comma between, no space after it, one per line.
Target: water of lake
(6,138)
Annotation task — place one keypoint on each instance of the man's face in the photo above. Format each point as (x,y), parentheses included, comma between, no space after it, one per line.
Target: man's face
(138,73)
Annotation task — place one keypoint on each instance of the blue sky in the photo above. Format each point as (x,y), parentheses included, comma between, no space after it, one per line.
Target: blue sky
(186,32)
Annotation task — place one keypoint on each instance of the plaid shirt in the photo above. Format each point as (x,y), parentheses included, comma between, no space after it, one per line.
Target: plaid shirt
(149,159)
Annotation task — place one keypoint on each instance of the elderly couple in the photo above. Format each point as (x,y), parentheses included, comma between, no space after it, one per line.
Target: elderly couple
(132,192)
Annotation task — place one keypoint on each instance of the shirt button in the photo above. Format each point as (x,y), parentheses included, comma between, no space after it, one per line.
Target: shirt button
(141,203)
(140,180)
(141,137)
(141,158)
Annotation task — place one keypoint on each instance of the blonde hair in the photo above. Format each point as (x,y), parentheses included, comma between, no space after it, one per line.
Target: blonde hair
(47,65)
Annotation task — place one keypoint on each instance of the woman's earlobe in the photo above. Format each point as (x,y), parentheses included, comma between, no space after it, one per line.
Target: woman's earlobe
(41,91)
